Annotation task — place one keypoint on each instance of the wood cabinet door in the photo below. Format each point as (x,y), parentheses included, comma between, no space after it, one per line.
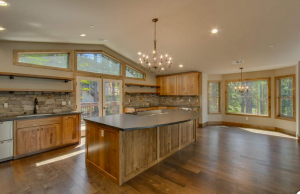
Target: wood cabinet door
(50,136)
(172,83)
(28,140)
(182,84)
(70,129)
(192,84)
(164,89)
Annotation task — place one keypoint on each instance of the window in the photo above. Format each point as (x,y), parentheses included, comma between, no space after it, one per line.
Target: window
(255,102)
(59,60)
(214,88)
(134,73)
(97,62)
(285,97)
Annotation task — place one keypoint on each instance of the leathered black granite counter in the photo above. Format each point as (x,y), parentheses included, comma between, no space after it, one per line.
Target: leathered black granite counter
(36,116)
(128,122)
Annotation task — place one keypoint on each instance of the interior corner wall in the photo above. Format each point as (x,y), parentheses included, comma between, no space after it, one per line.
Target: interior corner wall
(267,122)
(204,111)
(6,65)
(215,117)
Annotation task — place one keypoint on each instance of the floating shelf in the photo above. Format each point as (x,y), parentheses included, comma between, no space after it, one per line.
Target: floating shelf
(12,75)
(142,93)
(34,90)
(142,85)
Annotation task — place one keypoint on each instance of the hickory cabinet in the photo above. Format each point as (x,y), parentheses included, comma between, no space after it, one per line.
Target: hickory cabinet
(37,135)
(180,84)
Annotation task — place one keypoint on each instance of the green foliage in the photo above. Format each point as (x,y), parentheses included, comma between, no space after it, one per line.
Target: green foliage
(286,97)
(46,59)
(130,72)
(255,101)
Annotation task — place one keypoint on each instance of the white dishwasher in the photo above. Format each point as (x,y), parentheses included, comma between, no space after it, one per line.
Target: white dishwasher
(6,141)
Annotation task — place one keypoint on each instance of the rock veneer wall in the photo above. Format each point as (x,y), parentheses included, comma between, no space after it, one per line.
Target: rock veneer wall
(20,103)
(143,100)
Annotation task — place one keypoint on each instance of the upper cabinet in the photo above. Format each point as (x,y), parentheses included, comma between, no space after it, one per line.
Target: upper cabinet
(181,84)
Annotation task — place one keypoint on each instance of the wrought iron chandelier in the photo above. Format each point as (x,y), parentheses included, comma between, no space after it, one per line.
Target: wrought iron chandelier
(157,62)
(241,88)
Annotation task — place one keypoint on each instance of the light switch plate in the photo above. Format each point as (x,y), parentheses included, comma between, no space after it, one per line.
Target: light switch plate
(64,103)
(5,105)
(246,118)
(102,133)
(69,102)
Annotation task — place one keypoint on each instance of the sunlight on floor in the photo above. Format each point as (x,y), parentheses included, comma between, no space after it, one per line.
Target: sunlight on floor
(263,132)
(60,158)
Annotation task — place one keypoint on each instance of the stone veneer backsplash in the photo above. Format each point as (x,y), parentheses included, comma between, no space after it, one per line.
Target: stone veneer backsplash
(142,100)
(20,103)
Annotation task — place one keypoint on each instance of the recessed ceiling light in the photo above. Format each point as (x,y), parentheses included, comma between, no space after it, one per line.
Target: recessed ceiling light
(180,65)
(2,29)
(214,31)
(271,45)
(4,3)
(82,34)
(103,40)
(91,26)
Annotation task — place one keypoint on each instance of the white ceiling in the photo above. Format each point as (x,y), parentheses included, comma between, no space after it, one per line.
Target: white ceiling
(247,28)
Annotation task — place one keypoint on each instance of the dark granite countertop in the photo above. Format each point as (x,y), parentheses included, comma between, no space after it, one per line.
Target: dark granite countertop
(36,116)
(128,122)
(181,106)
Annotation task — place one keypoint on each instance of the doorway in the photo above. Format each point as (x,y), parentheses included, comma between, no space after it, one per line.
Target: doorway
(98,97)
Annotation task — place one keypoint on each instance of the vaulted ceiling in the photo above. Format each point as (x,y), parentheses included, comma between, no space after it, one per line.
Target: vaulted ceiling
(247,28)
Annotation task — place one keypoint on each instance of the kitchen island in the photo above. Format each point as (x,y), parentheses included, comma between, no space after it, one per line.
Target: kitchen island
(122,146)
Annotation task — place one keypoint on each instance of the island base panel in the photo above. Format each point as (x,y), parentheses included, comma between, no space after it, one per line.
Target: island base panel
(122,155)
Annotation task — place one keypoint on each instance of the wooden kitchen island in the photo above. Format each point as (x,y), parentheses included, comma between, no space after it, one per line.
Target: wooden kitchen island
(122,146)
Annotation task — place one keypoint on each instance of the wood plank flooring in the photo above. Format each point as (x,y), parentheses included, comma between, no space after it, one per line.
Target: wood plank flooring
(223,160)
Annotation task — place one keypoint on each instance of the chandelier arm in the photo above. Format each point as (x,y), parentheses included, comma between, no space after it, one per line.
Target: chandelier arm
(155,36)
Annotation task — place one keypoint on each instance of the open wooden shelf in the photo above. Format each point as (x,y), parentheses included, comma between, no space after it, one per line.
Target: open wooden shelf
(142,93)
(34,90)
(142,85)
(12,75)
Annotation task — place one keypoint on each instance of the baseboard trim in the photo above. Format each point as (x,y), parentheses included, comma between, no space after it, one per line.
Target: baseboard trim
(285,131)
(267,128)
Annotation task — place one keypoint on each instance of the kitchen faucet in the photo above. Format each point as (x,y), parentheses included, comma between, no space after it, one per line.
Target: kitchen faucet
(36,102)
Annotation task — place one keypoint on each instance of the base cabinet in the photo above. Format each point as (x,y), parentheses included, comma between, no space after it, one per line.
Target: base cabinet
(28,140)
(37,135)
(70,129)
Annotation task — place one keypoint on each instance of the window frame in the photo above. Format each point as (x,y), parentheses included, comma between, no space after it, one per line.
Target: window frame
(277,98)
(17,52)
(93,73)
(143,79)
(244,114)
(219,97)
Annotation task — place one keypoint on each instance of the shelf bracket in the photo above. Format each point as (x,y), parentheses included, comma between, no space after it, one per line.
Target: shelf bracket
(11,77)
(66,80)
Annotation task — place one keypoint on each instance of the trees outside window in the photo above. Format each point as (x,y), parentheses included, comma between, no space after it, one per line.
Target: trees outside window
(285,97)
(214,90)
(97,62)
(134,73)
(255,102)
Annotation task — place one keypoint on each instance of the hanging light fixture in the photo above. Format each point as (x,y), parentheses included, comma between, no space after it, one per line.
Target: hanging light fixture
(241,88)
(157,62)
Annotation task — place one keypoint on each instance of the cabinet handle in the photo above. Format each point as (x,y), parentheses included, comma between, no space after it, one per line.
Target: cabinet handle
(42,129)
(37,129)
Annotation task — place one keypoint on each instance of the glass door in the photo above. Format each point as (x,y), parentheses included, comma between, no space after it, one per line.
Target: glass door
(89,98)
(112,97)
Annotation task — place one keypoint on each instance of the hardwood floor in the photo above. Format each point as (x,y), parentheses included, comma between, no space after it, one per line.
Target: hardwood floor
(223,160)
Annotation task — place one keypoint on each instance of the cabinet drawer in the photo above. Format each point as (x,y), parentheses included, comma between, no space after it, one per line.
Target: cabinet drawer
(6,130)
(38,122)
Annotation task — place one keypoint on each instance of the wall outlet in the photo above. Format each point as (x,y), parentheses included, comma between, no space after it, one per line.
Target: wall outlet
(246,118)
(69,102)
(64,103)
(5,105)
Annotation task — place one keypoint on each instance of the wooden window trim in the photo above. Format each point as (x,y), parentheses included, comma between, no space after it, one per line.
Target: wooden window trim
(86,73)
(143,79)
(16,59)
(219,97)
(249,115)
(277,98)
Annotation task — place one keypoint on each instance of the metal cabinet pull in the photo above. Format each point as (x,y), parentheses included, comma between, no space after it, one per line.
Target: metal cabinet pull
(37,129)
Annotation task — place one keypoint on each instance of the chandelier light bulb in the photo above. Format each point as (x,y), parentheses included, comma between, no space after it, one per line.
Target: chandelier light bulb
(170,58)
(147,57)
(161,56)
(154,52)
(162,68)
(154,58)
(143,55)
(166,55)
(139,53)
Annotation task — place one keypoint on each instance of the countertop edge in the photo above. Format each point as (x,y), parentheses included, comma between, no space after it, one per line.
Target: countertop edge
(147,127)
(16,118)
